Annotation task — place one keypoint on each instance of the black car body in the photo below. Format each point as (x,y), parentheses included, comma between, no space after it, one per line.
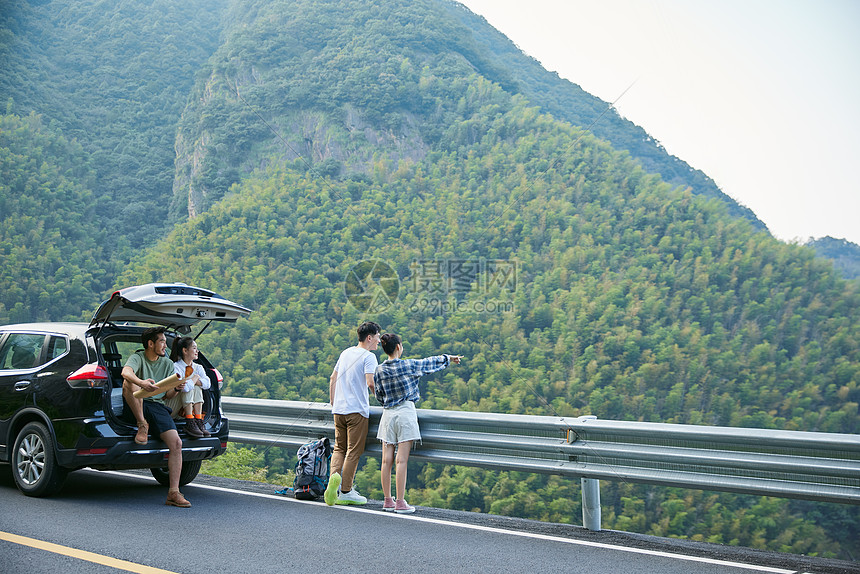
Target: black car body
(61,389)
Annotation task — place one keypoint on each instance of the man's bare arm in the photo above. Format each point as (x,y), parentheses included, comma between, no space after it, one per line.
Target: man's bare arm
(332,384)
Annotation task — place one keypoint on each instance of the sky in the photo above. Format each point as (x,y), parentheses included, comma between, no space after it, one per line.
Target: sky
(761,95)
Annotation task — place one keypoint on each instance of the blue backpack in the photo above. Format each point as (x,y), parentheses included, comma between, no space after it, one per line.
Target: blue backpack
(312,469)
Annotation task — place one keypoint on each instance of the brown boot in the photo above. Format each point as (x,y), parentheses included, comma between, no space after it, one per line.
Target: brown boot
(175,498)
(202,426)
(142,432)
(191,428)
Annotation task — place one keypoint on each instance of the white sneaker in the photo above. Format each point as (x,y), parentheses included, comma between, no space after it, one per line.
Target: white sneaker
(351,497)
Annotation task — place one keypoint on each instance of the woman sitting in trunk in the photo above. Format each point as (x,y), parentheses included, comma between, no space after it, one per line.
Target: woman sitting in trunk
(186,400)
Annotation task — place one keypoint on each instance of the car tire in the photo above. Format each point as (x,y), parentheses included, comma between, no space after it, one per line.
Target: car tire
(190,469)
(34,462)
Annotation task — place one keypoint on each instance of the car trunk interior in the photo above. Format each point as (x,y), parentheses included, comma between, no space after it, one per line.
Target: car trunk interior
(115,350)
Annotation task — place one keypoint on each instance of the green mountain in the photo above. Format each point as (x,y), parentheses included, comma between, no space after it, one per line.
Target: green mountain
(53,257)
(114,77)
(371,80)
(844,254)
(389,159)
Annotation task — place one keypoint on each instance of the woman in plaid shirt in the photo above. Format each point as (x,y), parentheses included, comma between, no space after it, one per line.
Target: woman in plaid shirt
(396,388)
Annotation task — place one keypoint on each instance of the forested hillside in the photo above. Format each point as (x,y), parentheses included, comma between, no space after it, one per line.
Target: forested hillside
(114,76)
(389,150)
(844,254)
(51,243)
(364,64)
(382,140)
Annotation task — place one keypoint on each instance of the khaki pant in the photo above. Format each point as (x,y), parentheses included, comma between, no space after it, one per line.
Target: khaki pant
(179,400)
(350,434)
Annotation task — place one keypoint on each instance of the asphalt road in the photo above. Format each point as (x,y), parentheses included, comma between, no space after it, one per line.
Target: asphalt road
(239,527)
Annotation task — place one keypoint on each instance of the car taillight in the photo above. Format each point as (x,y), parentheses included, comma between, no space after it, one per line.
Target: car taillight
(88,377)
(219,377)
(86,451)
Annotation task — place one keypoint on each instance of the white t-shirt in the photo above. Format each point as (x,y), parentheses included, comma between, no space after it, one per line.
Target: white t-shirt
(351,390)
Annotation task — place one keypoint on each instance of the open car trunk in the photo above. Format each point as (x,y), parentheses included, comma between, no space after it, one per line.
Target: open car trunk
(173,305)
(177,307)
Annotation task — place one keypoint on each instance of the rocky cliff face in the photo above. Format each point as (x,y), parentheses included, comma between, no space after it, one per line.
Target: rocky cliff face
(342,144)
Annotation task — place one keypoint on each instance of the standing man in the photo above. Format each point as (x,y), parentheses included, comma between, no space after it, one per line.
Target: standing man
(349,387)
(143,369)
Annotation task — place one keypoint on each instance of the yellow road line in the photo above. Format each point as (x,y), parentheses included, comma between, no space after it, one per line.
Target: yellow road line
(82,554)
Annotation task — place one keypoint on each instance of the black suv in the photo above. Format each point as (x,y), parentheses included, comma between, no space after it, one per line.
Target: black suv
(61,388)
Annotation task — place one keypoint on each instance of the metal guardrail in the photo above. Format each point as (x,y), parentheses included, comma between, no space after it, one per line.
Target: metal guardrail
(788,464)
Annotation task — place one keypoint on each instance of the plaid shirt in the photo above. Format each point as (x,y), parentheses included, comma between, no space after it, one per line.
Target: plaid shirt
(396,380)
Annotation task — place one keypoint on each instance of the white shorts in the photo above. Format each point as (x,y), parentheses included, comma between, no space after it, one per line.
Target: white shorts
(399,424)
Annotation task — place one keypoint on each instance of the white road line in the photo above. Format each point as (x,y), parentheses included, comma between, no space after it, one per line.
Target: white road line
(282,498)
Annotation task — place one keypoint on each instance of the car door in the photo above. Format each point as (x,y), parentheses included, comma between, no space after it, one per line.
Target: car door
(20,357)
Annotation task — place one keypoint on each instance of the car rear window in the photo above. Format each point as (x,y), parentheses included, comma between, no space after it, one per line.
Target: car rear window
(57,347)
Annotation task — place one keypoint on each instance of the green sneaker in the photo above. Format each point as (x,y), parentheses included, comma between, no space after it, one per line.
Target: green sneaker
(330,495)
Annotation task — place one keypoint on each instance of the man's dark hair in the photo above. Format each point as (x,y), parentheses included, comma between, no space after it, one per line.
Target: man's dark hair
(390,342)
(367,329)
(151,334)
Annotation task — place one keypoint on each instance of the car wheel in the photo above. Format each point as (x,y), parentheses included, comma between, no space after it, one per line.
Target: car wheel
(190,469)
(34,463)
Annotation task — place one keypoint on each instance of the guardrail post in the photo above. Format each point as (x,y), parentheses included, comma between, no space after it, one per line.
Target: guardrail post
(591,503)
(590,496)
